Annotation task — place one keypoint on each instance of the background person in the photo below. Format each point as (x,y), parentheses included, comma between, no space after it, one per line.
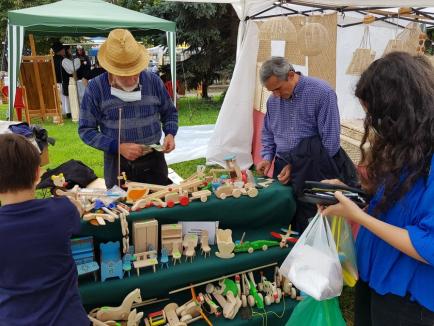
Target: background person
(147,112)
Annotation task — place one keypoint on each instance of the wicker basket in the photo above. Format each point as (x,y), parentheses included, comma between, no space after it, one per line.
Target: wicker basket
(394,45)
(278,29)
(313,38)
(361,60)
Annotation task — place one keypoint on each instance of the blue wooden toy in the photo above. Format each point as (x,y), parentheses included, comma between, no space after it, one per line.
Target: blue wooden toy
(84,256)
(111,262)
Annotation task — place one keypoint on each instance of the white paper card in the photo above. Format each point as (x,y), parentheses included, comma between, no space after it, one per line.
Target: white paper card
(196,227)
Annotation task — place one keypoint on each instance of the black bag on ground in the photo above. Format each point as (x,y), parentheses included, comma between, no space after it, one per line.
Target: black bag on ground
(75,173)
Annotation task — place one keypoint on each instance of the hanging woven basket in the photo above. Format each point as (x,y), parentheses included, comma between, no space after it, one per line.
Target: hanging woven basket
(410,37)
(362,56)
(394,45)
(312,39)
(281,29)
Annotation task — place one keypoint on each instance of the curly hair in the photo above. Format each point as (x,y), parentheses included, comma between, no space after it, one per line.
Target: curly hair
(397,92)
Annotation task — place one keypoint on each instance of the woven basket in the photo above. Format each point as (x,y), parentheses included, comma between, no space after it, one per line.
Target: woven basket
(394,45)
(410,37)
(278,29)
(312,39)
(361,60)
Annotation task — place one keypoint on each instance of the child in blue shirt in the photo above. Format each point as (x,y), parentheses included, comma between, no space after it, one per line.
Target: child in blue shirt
(38,276)
(395,244)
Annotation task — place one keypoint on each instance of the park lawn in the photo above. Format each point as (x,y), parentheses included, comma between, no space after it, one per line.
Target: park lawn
(192,111)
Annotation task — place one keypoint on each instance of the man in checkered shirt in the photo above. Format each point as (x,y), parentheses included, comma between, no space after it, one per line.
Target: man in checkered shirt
(300,107)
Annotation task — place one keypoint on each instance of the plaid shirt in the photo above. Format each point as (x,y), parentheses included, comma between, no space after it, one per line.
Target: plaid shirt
(311,110)
(142,121)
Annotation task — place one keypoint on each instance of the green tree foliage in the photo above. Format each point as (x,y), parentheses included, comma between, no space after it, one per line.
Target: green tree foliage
(210,31)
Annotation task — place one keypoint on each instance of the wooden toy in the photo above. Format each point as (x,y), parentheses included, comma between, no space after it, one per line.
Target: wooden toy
(171,234)
(111,262)
(145,259)
(164,259)
(225,244)
(190,251)
(172,317)
(227,190)
(135,193)
(201,194)
(121,312)
(100,218)
(145,233)
(204,241)
(176,253)
(285,238)
(84,256)
(251,246)
(230,305)
(190,237)
(266,183)
(214,309)
(148,202)
(173,198)
(134,318)
(157,318)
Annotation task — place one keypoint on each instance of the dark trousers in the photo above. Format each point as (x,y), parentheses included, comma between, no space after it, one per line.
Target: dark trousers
(151,168)
(372,309)
(303,211)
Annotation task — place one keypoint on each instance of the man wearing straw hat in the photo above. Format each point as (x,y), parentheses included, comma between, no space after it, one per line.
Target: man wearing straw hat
(136,100)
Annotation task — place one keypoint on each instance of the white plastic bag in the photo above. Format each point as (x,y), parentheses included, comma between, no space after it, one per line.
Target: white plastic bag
(313,264)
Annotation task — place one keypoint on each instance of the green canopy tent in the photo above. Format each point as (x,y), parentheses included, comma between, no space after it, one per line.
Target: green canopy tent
(78,18)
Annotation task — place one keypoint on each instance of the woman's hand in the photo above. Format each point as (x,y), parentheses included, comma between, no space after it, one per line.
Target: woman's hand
(335,182)
(345,208)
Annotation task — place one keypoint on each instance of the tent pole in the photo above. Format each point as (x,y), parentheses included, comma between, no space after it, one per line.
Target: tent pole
(32,44)
(38,76)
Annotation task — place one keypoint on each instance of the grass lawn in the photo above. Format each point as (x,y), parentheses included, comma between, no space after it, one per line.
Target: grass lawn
(192,111)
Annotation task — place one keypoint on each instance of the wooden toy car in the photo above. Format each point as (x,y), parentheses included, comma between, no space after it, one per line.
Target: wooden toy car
(250,247)
(227,190)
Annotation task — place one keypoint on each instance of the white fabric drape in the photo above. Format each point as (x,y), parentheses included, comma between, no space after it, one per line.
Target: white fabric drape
(234,127)
(15,48)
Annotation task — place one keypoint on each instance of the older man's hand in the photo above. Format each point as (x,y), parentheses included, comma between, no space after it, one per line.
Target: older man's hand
(131,151)
(285,175)
(263,167)
(169,143)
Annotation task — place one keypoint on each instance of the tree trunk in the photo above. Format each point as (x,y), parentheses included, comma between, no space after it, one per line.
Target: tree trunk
(205,90)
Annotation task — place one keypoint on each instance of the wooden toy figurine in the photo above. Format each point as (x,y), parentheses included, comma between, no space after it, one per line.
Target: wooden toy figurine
(225,244)
(118,313)
(204,241)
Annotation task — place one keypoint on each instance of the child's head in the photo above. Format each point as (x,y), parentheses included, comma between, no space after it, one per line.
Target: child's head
(397,93)
(19,164)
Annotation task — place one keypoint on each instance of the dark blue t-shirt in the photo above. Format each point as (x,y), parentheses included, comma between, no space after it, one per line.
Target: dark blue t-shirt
(38,276)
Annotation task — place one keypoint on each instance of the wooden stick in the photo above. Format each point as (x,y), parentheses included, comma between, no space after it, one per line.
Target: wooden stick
(222,277)
(119,148)
(148,302)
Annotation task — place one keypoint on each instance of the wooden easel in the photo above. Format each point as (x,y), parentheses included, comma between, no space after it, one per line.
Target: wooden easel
(38,81)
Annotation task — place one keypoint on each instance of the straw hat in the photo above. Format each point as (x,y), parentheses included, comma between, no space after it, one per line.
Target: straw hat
(121,55)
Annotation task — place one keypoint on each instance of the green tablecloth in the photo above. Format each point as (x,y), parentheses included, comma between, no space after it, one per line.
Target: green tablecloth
(272,209)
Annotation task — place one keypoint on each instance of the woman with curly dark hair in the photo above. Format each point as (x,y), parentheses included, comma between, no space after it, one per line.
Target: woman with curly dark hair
(395,244)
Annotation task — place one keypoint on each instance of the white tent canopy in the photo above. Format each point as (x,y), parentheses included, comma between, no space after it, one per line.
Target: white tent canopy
(234,127)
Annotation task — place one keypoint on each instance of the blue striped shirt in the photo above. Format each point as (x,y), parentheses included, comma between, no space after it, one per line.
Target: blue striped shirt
(142,121)
(312,110)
